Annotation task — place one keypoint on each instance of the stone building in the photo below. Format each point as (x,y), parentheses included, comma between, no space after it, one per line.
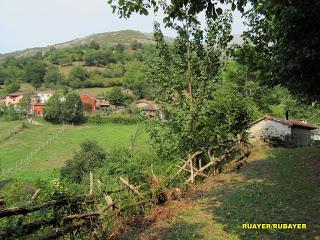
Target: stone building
(281,131)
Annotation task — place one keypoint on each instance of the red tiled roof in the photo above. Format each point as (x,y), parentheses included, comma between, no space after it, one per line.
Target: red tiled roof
(290,122)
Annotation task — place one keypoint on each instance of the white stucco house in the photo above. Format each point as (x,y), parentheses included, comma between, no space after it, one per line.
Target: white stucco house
(282,131)
(43,97)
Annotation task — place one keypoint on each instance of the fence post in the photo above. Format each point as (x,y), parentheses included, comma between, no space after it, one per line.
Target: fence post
(91,183)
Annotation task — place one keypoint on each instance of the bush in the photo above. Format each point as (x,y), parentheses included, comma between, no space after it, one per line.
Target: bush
(113,83)
(117,71)
(121,119)
(115,96)
(98,57)
(78,73)
(10,114)
(12,87)
(89,157)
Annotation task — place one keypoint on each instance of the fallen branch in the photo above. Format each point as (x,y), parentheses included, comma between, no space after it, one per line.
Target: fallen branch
(32,227)
(108,199)
(34,196)
(23,210)
(131,187)
(58,232)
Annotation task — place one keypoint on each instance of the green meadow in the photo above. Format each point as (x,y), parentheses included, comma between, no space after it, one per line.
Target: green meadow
(45,163)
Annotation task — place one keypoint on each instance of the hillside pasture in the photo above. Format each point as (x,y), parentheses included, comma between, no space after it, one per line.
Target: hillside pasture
(44,163)
(8,127)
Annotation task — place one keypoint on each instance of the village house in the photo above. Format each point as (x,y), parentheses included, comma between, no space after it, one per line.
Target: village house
(13,99)
(281,131)
(37,108)
(43,97)
(103,105)
(149,107)
(38,101)
(89,102)
(315,135)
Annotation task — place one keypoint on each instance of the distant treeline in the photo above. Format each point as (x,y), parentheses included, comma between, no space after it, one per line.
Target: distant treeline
(118,61)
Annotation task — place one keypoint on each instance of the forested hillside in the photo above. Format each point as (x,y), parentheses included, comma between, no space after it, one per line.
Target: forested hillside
(97,64)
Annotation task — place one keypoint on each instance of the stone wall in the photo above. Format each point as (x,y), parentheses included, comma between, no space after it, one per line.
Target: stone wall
(268,129)
(300,136)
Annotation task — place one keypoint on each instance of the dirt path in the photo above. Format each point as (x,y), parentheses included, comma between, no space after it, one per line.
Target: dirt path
(276,186)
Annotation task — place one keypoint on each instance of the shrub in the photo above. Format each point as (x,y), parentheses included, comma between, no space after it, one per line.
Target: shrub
(117,71)
(78,73)
(121,119)
(113,83)
(10,114)
(89,157)
(12,87)
(115,96)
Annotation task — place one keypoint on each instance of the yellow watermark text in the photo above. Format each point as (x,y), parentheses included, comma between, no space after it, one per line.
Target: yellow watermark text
(274,226)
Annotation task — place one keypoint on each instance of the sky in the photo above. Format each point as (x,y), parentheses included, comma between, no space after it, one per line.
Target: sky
(38,23)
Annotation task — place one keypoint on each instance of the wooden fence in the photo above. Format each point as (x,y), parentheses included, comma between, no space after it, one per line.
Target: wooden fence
(197,165)
(213,159)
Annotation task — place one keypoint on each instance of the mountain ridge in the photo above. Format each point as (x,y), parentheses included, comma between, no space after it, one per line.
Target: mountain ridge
(115,37)
(122,36)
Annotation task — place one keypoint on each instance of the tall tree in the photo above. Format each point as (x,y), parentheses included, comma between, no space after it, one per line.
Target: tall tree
(283,44)
(72,109)
(34,72)
(53,109)
(53,76)
(186,75)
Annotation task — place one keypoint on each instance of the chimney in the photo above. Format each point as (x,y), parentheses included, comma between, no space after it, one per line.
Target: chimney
(287,112)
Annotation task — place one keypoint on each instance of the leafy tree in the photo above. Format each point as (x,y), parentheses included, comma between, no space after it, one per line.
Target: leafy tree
(185,76)
(283,44)
(135,45)
(231,109)
(89,157)
(11,74)
(98,57)
(24,106)
(53,76)
(115,96)
(72,109)
(94,45)
(52,110)
(114,71)
(3,75)
(34,72)
(119,47)
(78,73)
(12,87)
(134,78)
(175,9)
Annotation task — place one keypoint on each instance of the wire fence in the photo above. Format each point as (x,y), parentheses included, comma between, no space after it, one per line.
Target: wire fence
(26,160)
(13,133)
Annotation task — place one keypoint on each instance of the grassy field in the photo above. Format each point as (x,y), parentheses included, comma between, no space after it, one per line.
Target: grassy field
(279,186)
(53,156)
